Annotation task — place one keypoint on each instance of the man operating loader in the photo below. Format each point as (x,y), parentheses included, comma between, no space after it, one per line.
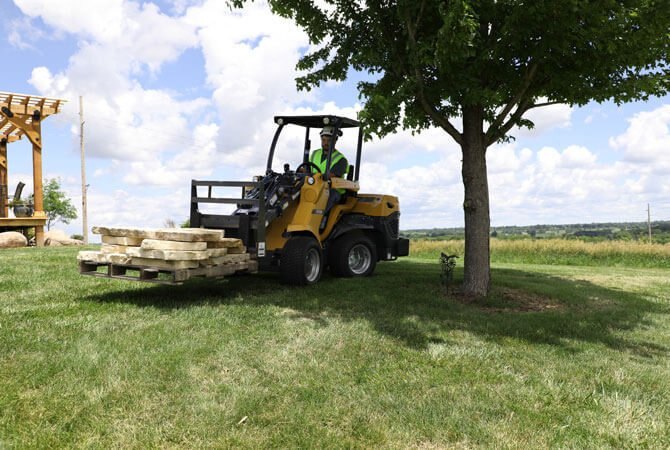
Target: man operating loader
(339,166)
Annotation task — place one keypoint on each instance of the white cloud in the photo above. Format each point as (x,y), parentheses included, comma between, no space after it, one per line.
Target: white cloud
(548,117)
(44,81)
(127,208)
(194,161)
(647,138)
(576,156)
(99,18)
(124,120)
(23,33)
(250,66)
(548,158)
(504,158)
(545,118)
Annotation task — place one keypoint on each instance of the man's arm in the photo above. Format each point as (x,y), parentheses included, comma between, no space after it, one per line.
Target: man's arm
(340,168)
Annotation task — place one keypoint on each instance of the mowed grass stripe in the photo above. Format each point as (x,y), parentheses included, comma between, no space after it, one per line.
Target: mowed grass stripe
(384,361)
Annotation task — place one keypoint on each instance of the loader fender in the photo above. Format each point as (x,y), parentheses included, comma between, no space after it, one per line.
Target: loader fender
(351,222)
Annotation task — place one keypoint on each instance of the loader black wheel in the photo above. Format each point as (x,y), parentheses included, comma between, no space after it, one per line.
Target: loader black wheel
(353,255)
(301,261)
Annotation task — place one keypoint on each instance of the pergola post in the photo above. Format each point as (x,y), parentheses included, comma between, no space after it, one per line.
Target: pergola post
(4,192)
(38,196)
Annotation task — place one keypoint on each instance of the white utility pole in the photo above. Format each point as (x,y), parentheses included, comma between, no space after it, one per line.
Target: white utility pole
(649,221)
(84,187)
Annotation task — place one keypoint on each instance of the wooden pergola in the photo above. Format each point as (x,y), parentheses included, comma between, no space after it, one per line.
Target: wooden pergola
(22,115)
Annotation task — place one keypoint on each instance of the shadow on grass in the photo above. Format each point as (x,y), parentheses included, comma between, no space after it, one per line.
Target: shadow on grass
(406,302)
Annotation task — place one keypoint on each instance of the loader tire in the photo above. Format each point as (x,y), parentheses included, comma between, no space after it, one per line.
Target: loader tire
(353,255)
(301,261)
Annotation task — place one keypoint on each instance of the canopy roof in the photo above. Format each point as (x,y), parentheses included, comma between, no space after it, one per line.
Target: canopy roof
(25,105)
(317,121)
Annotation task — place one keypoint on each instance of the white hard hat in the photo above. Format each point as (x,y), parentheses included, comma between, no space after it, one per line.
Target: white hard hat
(328,131)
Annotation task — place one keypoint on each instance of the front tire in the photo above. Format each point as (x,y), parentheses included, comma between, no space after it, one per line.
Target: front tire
(301,261)
(353,255)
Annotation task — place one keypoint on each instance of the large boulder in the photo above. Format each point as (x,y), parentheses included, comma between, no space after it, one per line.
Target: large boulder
(12,239)
(57,238)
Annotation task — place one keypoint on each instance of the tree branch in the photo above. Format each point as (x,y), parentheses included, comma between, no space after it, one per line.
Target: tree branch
(539,105)
(418,16)
(431,110)
(521,109)
(491,133)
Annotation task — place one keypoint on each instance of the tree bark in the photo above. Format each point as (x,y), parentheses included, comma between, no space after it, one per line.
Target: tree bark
(477,274)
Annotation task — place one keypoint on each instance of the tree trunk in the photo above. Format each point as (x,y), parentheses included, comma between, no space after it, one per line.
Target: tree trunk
(476,204)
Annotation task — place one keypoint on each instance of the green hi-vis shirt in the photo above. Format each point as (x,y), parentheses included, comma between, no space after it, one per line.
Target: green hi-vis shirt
(339,166)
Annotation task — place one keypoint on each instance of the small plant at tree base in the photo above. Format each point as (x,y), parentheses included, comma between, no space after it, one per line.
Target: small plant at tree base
(448,264)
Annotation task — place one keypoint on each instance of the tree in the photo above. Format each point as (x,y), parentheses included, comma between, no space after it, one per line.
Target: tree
(56,205)
(488,62)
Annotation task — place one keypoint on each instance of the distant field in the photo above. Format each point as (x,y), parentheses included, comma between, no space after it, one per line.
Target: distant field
(557,252)
(556,357)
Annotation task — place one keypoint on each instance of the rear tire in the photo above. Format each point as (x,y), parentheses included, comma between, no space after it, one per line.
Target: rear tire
(353,255)
(301,261)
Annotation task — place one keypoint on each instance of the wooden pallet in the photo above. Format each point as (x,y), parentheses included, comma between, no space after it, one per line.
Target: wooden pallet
(162,276)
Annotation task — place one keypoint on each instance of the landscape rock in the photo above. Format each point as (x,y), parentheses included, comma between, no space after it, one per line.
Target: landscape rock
(12,239)
(57,235)
(57,238)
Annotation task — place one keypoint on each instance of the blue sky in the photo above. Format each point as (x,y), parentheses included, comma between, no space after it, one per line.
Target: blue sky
(183,89)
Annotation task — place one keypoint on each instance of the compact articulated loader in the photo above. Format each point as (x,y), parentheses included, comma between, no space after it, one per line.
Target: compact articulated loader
(282,219)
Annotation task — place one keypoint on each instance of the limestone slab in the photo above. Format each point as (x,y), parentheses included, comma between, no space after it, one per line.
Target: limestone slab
(90,255)
(228,259)
(119,258)
(155,244)
(122,240)
(167,255)
(167,234)
(109,248)
(162,264)
(215,252)
(225,243)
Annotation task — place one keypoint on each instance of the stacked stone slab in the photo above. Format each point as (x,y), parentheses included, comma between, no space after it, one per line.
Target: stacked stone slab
(167,248)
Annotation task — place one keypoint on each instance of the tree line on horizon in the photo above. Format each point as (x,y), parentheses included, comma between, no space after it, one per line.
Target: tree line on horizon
(622,231)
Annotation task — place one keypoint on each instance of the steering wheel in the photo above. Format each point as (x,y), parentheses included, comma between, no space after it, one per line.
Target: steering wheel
(307,164)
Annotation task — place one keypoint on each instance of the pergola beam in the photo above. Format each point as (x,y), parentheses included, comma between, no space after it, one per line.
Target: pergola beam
(26,104)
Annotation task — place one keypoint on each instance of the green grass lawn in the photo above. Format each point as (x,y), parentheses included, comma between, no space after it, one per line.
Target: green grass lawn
(556,356)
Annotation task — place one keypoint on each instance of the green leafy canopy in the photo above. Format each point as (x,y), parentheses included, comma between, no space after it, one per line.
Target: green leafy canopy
(430,59)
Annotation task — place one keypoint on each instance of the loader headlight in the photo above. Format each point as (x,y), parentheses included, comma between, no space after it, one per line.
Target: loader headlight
(326,120)
(310,180)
